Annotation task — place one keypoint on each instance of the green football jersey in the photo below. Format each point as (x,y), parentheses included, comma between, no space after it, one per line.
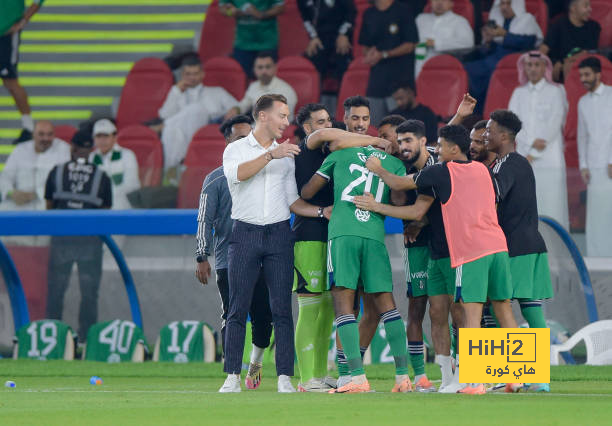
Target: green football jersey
(113,341)
(182,341)
(44,339)
(351,177)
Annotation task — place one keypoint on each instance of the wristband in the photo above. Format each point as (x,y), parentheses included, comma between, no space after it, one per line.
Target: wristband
(201,258)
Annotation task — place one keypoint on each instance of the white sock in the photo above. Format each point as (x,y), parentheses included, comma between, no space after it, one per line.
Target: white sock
(360,379)
(283,378)
(417,378)
(446,368)
(257,355)
(400,378)
(27,122)
(237,376)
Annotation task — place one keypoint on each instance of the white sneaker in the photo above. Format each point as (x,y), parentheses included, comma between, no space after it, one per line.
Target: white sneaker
(232,384)
(452,388)
(284,385)
(343,381)
(314,385)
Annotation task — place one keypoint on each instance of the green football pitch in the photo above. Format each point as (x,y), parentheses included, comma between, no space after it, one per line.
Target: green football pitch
(58,392)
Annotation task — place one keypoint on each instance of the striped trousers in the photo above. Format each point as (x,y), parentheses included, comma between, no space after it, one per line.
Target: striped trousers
(253,248)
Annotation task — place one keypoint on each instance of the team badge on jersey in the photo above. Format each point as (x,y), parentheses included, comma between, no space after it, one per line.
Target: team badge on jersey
(362,215)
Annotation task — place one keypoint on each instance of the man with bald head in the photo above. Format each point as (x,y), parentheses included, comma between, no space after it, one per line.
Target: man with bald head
(22,182)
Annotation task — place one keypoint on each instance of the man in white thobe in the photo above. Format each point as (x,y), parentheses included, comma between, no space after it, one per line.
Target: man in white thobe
(189,106)
(440,31)
(542,107)
(595,156)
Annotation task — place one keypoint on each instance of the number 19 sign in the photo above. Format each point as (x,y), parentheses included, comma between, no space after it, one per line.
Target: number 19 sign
(504,355)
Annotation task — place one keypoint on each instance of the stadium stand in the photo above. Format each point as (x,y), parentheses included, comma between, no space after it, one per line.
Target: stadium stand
(65,132)
(460,7)
(147,147)
(293,38)
(205,153)
(145,89)
(602,13)
(226,73)
(217,36)
(289,133)
(302,76)
(442,84)
(503,82)
(354,82)
(361,6)
(539,10)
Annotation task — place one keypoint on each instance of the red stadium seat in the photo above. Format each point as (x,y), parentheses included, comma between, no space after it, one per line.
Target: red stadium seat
(217,37)
(602,13)
(293,38)
(205,153)
(372,131)
(503,82)
(65,132)
(226,73)
(361,6)
(289,133)
(354,82)
(460,7)
(539,10)
(442,84)
(575,91)
(144,92)
(303,77)
(148,150)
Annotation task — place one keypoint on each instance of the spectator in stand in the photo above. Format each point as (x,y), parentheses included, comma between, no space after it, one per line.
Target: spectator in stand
(570,35)
(256,28)
(329,25)
(440,31)
(189,106)
(22,182)
(510,29)
(409,107)
(117,162)
(389,36)
(542,107)
(267,82)
(595,156)
(13,19)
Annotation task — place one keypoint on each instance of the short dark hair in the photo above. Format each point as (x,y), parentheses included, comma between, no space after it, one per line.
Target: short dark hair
(304,113)
(191,60)
(417,127)
(482,124)
(266,101)
(393,119)
(591,62)
(266,54)
(507,120)
(406,85)
(226,126)
(355,101)
(456,134)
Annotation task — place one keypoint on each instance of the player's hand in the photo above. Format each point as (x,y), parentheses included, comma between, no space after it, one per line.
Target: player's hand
(343,45)
(586,175)
(373,164)
(285,149)
(203,271)
(412,231)
(182,85)
(23,197)
(327,212)
(466,107)
(314,46)
(365,202)
(539,144)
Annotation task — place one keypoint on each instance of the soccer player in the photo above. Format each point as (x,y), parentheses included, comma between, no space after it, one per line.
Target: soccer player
(316,312)
(518,218)
(357,255)
(477,245)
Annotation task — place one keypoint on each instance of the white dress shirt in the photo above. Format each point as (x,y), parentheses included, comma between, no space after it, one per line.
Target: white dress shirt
(216,100)
(27,170)
(542,108)
(264,198)
(121,167)
(256,90)
(448,31)
(595,128)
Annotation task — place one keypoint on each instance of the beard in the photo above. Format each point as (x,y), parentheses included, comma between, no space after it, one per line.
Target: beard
(409,161)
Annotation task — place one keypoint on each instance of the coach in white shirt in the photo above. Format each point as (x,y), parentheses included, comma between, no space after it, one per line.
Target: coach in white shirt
(22,182)
(442,30)
(542,107)
(261,178)
(595,156)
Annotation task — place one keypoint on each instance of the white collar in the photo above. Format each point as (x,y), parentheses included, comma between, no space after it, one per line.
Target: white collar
(538,86)
(254,142)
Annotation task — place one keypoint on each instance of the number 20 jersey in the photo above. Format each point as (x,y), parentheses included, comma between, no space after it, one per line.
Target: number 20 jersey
(346,167)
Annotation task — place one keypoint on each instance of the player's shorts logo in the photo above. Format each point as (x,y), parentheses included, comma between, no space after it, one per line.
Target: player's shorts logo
(362,215)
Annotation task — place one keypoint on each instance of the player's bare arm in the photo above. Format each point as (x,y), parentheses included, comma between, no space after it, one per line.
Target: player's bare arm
(395,182)
(341,139)
(314,185)
(415,211)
